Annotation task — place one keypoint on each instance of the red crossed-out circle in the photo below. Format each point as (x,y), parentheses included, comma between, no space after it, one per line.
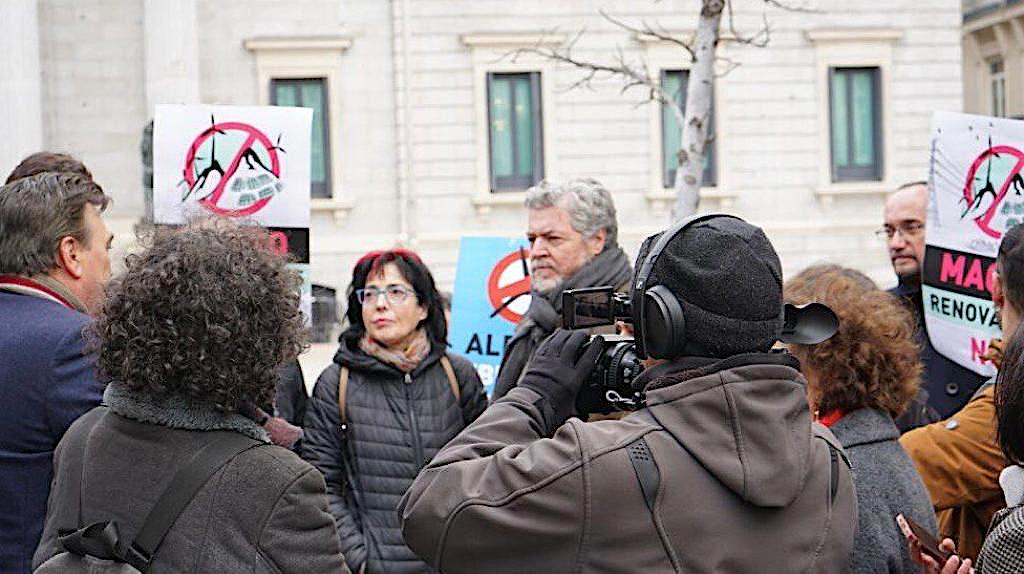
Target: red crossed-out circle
(984,222)
(253,135)
(498,294)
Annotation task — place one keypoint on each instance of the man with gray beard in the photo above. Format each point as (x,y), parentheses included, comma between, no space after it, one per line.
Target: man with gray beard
(573,236)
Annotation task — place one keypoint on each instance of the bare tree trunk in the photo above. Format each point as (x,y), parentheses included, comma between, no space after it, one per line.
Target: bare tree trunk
(698,110)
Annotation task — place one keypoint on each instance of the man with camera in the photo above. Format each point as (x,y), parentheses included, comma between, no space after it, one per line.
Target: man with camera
(573,237)
(721,470)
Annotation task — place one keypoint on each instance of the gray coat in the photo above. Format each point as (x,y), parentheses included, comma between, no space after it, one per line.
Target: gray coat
(747,483)
(887,484)
(265,511)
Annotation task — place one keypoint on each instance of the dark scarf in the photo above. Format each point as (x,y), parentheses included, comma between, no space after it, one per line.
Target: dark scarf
(610,267)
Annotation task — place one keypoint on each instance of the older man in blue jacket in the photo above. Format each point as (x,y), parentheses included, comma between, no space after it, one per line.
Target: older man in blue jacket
(53,265)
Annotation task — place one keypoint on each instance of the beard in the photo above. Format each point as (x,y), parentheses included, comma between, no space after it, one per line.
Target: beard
(546,285)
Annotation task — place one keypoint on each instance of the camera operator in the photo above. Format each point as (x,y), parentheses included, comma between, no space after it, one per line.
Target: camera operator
(722,470)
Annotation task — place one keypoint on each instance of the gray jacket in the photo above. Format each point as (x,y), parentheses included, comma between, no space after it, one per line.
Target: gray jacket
(265,511)
(747,483)
(887,484)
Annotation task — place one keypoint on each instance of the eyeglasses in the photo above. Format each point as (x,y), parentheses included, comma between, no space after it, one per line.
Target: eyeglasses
(394,294)
(907,230)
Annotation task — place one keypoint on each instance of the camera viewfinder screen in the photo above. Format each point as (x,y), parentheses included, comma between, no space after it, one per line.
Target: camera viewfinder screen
(593,309)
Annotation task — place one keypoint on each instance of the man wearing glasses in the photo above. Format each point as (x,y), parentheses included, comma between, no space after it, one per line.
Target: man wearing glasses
(946,385)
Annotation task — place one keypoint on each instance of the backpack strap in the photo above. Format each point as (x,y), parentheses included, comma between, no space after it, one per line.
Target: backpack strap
(182,489)
(78,445)
(835,453)
(342,396)
(446,364)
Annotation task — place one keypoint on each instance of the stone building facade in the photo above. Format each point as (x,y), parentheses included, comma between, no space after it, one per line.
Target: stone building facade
(411,98)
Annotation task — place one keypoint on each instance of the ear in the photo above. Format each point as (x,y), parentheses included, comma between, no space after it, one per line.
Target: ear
(998,296)
(69,256)
(595,244)
(423,312)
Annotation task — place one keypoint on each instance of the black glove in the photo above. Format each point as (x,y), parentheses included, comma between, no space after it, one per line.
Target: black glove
(557,371)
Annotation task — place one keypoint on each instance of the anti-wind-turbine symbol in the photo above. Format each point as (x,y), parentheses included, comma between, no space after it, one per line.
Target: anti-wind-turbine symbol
(212,166)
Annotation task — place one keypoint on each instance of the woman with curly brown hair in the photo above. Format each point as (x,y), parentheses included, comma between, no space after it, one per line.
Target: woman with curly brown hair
(191,332)
(858,381)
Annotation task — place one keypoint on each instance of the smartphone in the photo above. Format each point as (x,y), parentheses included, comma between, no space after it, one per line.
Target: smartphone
(929,543)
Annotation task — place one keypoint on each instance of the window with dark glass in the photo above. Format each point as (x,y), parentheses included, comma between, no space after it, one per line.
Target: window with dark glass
(674,82)
(856,124)
(310,93)
(514,128)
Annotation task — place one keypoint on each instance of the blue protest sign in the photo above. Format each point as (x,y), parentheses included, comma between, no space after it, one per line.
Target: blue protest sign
(492,292)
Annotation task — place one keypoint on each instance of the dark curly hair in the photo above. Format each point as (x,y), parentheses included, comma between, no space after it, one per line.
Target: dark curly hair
(417,274)
(208,312)
(873,360)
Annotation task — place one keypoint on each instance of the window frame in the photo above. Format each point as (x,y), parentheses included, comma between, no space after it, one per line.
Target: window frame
(997,86)
(317,189)
(516,183)
(709,175)
(873,172)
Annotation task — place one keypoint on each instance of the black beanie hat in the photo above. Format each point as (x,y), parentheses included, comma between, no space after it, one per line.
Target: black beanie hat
(728,280)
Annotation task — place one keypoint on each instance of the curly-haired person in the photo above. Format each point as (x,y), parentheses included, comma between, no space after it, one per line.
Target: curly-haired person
(857,383)
(195,328)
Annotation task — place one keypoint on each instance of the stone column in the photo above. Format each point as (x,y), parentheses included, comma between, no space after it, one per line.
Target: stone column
(21,114)
(172,53)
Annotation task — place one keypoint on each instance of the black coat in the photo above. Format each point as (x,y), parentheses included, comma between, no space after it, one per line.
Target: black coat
(948,385)
(396,423)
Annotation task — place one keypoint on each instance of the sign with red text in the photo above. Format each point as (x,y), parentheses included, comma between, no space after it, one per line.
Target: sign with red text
(242,162)
(976,193)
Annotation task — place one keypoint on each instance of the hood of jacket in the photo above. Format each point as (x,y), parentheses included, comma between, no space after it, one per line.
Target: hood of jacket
(350,355)
(745,418)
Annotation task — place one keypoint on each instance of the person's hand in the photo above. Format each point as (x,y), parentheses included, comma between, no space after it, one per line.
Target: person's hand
(953,565)
(557,371)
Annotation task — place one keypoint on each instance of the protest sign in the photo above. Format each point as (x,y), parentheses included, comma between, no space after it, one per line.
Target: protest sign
(251,163)
(975,195)
(492,292)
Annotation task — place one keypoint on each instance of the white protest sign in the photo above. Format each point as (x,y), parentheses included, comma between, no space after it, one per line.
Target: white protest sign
(976,193)
(237,161)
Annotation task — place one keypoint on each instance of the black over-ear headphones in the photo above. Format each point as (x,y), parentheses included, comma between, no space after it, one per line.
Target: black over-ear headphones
(659,325)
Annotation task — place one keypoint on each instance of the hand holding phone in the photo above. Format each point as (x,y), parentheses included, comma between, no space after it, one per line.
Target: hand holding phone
(928,542)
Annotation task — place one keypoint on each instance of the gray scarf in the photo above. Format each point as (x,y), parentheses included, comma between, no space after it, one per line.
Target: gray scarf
(610,267)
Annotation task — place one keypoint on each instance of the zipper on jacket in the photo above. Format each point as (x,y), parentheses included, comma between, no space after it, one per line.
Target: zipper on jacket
(417,445)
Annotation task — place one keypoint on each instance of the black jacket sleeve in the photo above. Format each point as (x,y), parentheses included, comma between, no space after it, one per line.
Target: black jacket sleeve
(473,399)
(322,446)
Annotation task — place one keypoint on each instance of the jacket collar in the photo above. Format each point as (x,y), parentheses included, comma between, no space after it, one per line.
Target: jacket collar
(686,368)
(42,286)
(177,412)
(864,426)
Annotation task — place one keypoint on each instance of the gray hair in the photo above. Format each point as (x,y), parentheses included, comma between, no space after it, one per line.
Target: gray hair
(589,204)
(38,211)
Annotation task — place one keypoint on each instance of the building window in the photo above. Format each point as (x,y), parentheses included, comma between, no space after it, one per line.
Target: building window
(309,93)
(997,77)
(674,82)
(856,124)
(514,125)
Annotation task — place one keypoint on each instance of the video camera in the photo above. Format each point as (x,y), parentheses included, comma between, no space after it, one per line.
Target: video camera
(610,387)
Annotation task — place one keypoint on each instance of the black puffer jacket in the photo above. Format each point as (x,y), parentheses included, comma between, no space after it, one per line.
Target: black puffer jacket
(396,424)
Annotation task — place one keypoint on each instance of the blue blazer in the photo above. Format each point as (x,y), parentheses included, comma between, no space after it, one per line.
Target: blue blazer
(46,382)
